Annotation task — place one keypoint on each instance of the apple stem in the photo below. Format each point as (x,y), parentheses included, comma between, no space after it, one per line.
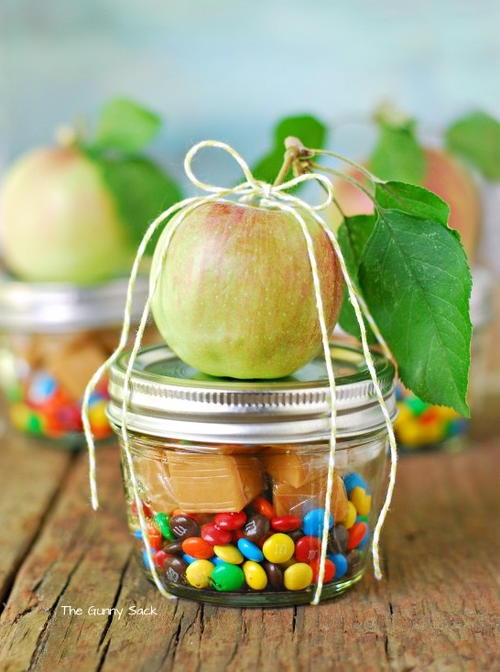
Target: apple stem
(389,114)
(66,136)
(285,168)
(296,158)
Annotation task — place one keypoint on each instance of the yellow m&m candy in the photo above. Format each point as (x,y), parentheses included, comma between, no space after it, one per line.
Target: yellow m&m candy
(278,548)
(255,575)
(361,500)
(298,576)
(229,554)
(350,518)
(198,573)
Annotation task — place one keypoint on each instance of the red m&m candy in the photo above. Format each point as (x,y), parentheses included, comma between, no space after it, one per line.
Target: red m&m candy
(264,507)
(215,536)
(356,535)
(329,570)
(145,508)
(237,534)
(154,537)
(230,521)
(285,523)
(160,557)
(307,549)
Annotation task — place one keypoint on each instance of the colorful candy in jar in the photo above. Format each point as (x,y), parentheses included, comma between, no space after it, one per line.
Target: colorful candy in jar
(53,337)
(253,550)
(423,425)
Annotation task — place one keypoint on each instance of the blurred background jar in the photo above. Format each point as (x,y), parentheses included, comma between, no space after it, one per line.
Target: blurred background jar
(423,426)
(232,476)
(53,337)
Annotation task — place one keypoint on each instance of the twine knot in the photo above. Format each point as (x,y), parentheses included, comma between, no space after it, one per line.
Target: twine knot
(251,187)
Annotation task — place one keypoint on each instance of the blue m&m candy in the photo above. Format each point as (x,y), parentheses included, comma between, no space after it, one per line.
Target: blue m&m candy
(217,561)
(313,523)
(188,558)
(341,564)
(147,559)
(354,480)
(42,388)
(249,550)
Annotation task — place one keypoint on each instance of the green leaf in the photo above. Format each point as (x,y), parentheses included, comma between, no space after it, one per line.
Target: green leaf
(476,138)
(398,155)
(353,235)
(417,284)
(414,200)
(125,126)
(307,128)
(142,191)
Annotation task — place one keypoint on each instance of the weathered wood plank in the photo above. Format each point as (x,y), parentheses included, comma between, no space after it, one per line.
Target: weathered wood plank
(436,610)
(442,579)
(78,558)
(32,473)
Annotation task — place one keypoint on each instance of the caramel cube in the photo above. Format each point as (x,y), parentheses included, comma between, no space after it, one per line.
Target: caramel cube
(154,482)
(310,495)
(214,483)
(108,338)
(40,349)
(73,366)
(293,468)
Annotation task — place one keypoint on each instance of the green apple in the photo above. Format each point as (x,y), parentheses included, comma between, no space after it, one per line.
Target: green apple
(235,293)
(59,220)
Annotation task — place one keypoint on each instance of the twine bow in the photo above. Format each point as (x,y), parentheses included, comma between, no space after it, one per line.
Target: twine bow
(271,196)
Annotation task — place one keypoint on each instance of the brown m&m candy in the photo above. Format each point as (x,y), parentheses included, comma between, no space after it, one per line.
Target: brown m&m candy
(338,538)
(184,527)
(174,547)
(256,528)
(354,560)
(175,570)
(274,575)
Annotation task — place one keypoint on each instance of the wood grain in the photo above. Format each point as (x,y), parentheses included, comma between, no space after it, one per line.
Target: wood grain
(436,608)
(32,473)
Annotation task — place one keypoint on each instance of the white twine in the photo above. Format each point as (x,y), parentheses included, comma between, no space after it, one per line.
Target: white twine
(274,197)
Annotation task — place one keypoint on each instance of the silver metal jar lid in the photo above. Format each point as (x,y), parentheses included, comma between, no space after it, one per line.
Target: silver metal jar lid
(169,399)
(59,307)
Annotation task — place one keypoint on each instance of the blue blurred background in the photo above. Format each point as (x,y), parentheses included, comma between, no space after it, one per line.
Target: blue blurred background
(229,69)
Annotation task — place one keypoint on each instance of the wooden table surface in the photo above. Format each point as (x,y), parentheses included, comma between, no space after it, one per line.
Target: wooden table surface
(436,609)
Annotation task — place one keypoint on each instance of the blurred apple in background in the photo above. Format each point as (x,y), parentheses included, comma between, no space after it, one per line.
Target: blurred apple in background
(77,212)
(59,221)
(446,177)
(399,156)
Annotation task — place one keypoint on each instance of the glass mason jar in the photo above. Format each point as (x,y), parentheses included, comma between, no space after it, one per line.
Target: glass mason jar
(424,426)
(53,337)
(232,476)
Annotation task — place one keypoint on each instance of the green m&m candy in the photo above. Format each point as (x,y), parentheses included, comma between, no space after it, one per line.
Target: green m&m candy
(161,520)
(227,577)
